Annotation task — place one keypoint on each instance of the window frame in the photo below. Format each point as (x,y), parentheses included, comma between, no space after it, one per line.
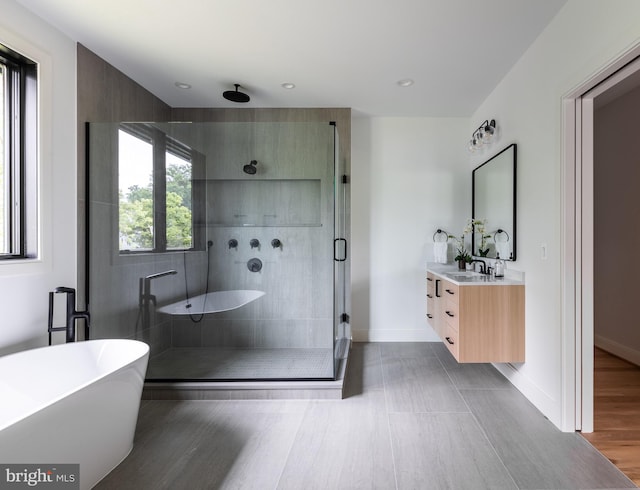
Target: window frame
(161,144)
(21,150)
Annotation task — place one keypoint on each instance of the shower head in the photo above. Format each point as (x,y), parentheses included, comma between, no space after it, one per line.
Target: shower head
(236,96)
(250,168)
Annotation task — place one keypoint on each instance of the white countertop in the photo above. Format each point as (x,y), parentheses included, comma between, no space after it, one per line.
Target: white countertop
(450,272)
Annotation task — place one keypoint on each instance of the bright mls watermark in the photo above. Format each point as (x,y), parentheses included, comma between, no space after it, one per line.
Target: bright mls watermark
(50,477)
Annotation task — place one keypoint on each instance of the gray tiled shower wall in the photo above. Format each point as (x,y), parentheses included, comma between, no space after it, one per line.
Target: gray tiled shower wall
(293,190)
(297,308)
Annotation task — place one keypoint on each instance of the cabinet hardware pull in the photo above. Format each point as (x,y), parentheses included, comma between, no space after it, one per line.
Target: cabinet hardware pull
(449,340)
(429,315)
(449,291)
(429,279)
(449,314)
(429,296)
(437,288)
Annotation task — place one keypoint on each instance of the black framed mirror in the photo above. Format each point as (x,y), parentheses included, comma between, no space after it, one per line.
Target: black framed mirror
(494,206)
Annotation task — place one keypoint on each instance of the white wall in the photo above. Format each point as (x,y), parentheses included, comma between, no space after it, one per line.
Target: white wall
(616,234)
(585,36)
(409,177)
(24,287)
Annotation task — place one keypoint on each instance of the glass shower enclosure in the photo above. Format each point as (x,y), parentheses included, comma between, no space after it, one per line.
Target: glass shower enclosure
(223,245)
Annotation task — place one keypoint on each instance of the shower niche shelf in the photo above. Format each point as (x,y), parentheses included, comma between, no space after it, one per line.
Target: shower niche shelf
(266,202)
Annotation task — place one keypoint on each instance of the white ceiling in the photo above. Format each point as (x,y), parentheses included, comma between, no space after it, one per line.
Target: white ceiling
(339,53)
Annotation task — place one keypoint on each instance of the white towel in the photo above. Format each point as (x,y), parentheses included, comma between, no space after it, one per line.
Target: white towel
(440,252)
(503,250)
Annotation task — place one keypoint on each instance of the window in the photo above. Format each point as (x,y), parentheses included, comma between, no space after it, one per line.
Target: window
(179,192)
(135,191)
(156,196)
(18,155)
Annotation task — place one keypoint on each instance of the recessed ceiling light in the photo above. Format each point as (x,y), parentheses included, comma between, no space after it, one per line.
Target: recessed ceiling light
(405,82)
(183,85)
(288,85)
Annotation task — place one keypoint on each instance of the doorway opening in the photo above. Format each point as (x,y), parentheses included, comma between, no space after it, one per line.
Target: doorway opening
(578,224)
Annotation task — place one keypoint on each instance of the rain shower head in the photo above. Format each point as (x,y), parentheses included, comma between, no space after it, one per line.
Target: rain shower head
(250,168)
(235,96)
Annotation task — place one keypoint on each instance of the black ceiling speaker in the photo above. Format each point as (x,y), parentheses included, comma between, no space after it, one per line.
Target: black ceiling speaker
(235,96)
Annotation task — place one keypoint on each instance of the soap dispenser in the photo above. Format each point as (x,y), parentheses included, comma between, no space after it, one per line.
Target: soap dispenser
(498,267)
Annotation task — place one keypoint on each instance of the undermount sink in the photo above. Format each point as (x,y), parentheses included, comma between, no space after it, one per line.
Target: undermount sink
(475,278)
(463,274)
(469,276)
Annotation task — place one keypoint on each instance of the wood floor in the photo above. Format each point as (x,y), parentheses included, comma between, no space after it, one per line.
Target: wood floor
(617,413)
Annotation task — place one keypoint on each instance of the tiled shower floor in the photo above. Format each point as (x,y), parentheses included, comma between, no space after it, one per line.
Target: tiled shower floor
(195,363)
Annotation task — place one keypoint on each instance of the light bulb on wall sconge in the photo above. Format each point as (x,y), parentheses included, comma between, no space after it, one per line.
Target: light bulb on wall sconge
(483,135)
(489,130)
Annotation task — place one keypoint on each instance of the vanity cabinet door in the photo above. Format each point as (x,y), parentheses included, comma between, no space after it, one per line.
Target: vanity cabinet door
(449,300)
(452,314)
(431,301)
(451,291)
(450,297)
(451,317)
(450,338)
(490,324)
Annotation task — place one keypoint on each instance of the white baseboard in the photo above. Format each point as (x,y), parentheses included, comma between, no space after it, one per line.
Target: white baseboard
(623,351)
(395,335)
(541,400)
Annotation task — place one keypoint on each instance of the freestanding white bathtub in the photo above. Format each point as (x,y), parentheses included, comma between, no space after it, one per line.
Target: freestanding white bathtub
(73,403)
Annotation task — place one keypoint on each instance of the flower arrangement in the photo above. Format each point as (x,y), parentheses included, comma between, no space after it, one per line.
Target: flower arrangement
(479,226)
(473,225)
(463,256)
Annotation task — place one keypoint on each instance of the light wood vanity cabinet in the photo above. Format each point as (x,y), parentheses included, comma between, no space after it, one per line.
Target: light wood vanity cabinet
(478,323)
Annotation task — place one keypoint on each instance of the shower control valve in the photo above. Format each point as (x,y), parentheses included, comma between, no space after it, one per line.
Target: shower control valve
(276,243)
(233,243)
(254,265)
(255,243)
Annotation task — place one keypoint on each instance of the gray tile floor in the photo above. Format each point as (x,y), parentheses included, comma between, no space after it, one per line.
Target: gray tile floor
(412,419)
(223,364)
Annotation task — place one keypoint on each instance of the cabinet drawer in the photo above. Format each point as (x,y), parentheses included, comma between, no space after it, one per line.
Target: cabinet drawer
(431,312)
(451,341)
(449,291)
(451,314)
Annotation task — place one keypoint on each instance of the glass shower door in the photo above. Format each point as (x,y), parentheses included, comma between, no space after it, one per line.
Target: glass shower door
(342,333)
(148,282)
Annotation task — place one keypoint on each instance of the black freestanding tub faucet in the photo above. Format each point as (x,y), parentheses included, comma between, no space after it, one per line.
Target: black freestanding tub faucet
(72,315)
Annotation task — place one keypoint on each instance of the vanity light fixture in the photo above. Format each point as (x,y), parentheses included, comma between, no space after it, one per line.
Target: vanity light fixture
(182,85)
(288,85)
(483,135)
